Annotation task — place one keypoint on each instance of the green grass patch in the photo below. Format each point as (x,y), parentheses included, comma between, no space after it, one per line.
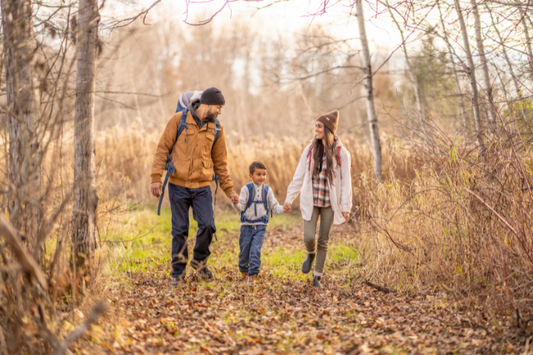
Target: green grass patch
(141,240)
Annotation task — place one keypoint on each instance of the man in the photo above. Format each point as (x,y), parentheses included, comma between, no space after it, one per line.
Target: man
(196,156)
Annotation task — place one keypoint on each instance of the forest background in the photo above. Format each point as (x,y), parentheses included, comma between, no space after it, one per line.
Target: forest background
(450,211)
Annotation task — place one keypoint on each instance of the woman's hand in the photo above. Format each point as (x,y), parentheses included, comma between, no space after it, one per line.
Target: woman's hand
(287,207)
(346,216)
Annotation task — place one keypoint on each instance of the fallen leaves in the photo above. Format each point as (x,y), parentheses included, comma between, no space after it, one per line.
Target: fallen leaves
(276,316)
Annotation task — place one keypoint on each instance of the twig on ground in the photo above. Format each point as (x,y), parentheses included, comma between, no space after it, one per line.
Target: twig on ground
(24,258)
(98,309)
(379,288)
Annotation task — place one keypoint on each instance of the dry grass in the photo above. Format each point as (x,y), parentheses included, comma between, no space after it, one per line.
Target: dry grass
(442,220)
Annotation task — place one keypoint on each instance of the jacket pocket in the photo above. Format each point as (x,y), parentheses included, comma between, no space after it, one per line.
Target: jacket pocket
(209,139)
(182,167)
(207,169)
(185,142)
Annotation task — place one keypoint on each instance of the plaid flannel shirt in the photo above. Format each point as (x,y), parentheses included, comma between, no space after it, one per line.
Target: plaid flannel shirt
(320,188)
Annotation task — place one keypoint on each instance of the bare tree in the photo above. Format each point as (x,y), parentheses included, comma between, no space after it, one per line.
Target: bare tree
(371,109)
(472,74)
(451,52)
(484,67)
(510,67)
(416,89)
(524,18)
(85,197)
(24,204)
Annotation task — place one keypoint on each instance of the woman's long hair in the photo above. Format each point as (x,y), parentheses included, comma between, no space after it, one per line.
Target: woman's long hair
(321,147)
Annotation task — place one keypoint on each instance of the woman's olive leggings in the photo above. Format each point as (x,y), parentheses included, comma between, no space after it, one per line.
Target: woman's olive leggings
(326,222)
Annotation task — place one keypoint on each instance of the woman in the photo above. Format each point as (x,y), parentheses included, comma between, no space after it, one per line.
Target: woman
(324,180)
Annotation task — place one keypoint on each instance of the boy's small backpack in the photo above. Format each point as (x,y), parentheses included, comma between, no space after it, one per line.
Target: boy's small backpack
(338,155)
(251,198)
(169,165)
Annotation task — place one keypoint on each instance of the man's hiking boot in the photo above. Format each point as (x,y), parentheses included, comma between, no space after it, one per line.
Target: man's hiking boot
(308,263)
(244,274)
(177,280)
(202,270)
(316,282)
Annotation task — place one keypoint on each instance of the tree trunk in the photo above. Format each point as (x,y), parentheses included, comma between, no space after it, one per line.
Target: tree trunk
(24,200)
(454,68)
(416,89)
(85,198)
(484,67)
(371,110)
(472,74)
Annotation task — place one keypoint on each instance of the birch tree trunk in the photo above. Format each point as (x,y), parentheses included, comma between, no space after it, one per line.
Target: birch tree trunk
(472,74)
(85,198)
(484,67)
(370,107)
(451,51)
(24,200)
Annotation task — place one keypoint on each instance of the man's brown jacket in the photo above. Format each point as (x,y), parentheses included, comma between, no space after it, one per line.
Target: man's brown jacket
(194,155)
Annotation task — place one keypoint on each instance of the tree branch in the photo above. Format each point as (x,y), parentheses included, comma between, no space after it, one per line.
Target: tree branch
(27,262)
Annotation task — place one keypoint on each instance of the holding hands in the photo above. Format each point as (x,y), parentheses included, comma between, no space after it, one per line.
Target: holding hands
(287,207)
(234,198)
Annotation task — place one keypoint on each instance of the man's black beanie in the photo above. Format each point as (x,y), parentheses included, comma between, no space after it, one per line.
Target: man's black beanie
(212,96)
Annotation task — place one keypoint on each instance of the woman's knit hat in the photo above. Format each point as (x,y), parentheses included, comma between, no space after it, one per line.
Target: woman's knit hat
(212,96)
(330,120)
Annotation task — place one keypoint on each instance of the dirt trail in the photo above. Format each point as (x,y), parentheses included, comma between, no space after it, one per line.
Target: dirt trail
(229,316)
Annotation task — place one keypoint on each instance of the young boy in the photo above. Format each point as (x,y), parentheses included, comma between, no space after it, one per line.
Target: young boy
(256,202)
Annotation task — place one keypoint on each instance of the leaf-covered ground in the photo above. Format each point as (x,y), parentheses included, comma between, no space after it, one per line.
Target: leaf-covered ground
(280,313)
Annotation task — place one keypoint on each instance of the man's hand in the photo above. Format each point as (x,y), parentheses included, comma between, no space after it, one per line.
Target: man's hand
(346,216)
(157,189)
(234,198)
(287,207)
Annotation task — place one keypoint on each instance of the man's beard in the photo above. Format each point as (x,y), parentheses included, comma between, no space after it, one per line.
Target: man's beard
(211,118)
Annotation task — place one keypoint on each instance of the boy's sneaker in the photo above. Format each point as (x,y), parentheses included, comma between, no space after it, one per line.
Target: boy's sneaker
(316,282)
(308,263)
(177,280)
(202,270)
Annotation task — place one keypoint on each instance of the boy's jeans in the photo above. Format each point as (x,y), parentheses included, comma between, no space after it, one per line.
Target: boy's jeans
(181,199)
(250,241)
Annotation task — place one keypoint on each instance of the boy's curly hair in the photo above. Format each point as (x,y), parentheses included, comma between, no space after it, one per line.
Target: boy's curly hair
(256,165)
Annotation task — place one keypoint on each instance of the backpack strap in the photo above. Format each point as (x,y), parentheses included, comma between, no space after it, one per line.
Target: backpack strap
(339,159)
(265,199)
(215,176)
(169,166)
(251,193)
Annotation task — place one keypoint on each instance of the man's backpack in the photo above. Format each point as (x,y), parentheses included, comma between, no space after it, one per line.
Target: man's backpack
(251,197)
(169,165)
